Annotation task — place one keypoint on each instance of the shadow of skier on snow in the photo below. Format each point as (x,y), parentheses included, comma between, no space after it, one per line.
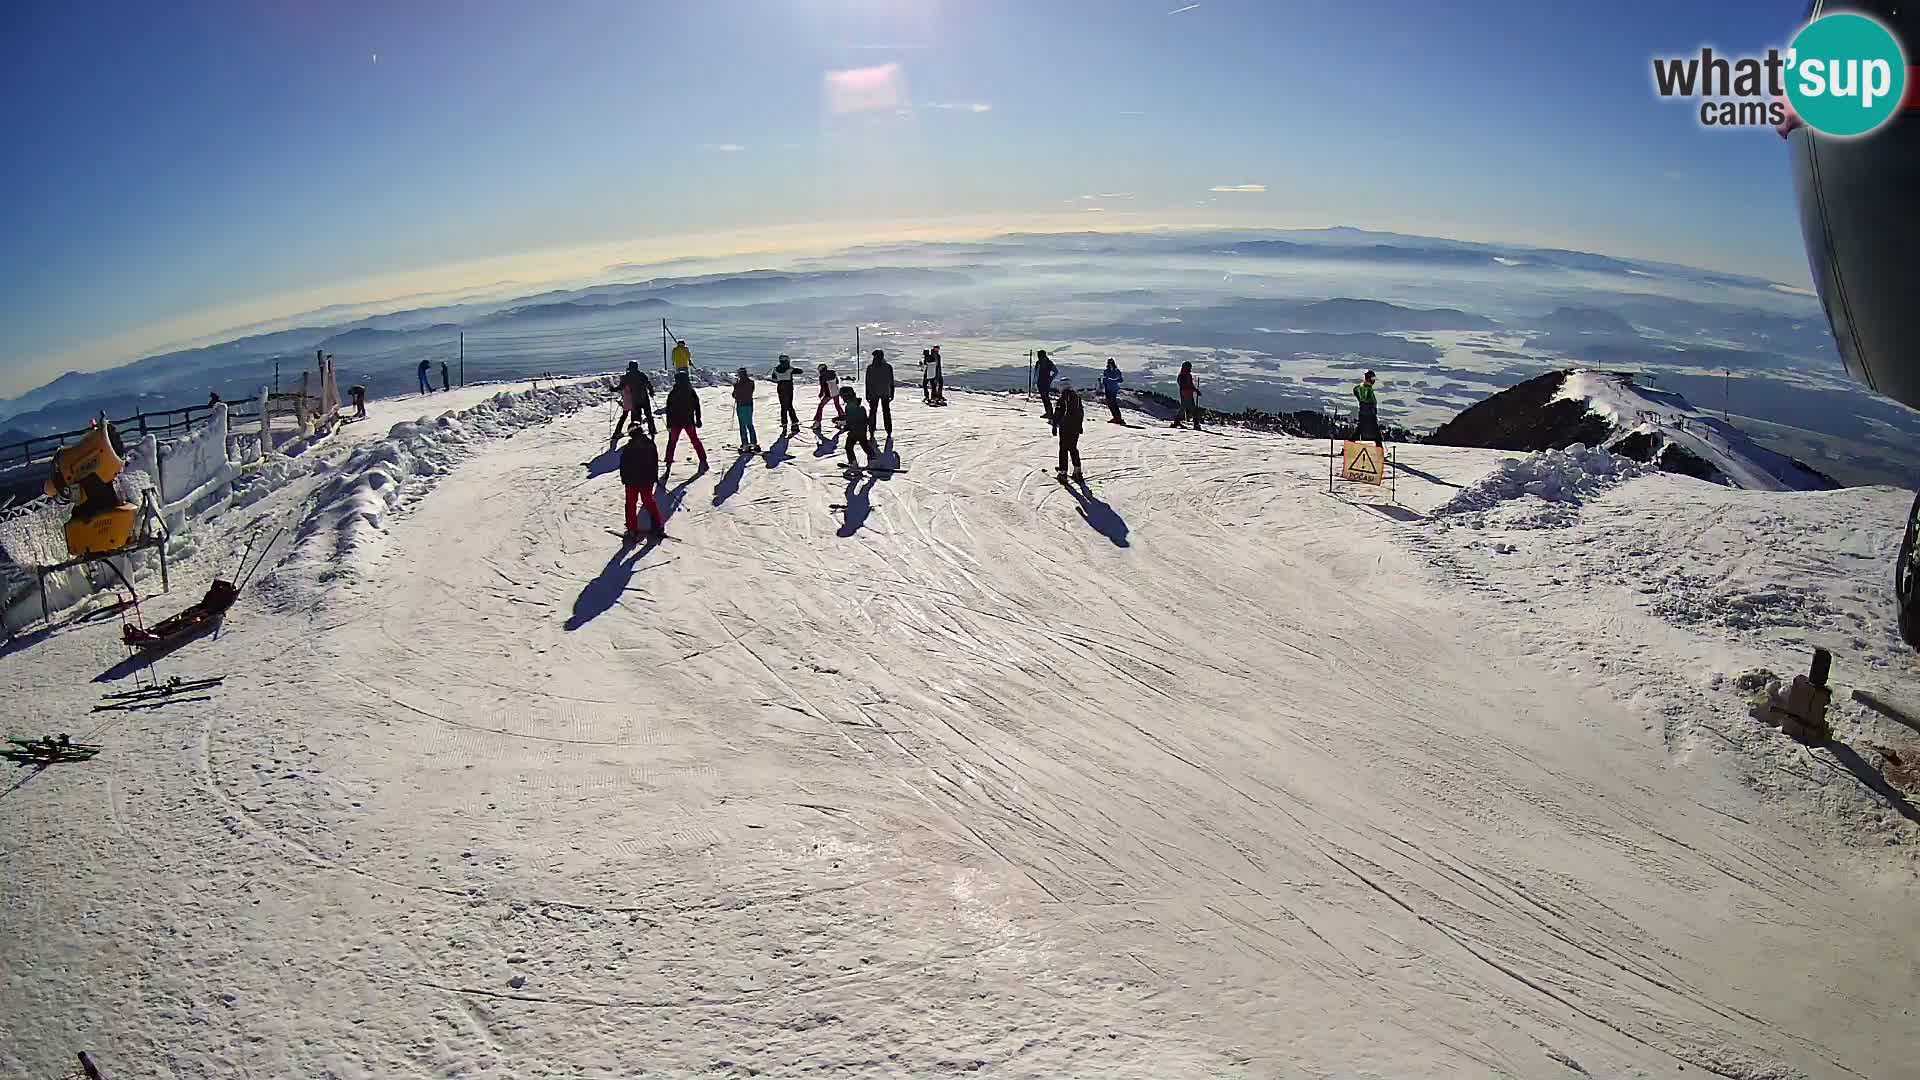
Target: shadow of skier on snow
(604,464)
(859,503)
(730,482)
(1397,513)
(1104,519)
(670,502)
(1427,476)
(827,446)
(603,592)
(777,453)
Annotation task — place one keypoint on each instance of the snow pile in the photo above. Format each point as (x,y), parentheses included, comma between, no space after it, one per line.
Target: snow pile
(350,510)
(1563,477)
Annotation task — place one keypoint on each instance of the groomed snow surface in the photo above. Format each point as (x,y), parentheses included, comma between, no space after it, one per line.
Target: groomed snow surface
(1195,771)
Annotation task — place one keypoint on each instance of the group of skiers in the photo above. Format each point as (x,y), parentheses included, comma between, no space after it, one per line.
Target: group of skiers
(446,380)
(639,461)
(1067,416)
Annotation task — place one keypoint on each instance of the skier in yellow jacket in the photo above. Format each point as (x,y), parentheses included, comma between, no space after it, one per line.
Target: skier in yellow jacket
(682,356)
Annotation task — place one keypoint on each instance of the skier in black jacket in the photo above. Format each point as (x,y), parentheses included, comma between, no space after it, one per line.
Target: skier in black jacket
(880,389)
(783,384)
(636,398)
(639,470)
(1069,420)
(683,414)
(859,428)
(1043,373)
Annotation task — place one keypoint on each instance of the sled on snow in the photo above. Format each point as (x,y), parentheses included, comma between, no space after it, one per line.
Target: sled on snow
(202,616)
(196,620)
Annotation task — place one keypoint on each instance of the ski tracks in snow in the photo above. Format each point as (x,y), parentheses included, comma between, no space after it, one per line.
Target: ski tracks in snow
(961,784)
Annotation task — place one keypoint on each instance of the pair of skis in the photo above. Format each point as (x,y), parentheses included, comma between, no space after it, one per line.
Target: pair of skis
(51,750)
(170,692)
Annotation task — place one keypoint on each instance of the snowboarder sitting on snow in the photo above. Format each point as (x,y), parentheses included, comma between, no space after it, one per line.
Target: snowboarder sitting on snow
(639,470)
(743,406)
(829,391)
(636,398)
(683,415)
(880,389)
(1043,373)
(1069,419)
(1110,381)
(783,385)
(426,387)
(859,428)
(1369,411)
(1189,397)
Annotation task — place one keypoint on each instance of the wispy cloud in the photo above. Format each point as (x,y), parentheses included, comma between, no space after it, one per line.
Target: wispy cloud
(1095,209)
(1244,189)
(866,89)
(972,107)
(1111,195)
(1132,112)
(1178,10)
(725,148)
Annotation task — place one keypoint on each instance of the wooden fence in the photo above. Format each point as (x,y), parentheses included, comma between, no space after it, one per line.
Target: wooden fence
(166,425)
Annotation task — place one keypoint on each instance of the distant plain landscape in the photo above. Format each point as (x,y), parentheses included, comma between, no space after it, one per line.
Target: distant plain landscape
(1276,320)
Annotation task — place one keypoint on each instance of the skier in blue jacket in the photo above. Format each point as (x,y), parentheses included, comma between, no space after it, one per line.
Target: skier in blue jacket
(1110,381)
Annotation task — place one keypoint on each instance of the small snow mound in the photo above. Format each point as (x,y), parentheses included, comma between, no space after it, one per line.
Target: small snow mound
(1566,477)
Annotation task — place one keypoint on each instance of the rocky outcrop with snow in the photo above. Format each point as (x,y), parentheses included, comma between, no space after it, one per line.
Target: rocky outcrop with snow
(1609,410)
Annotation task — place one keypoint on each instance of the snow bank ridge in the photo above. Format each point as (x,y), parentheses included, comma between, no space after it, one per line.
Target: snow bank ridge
(349,511)
(1559,476)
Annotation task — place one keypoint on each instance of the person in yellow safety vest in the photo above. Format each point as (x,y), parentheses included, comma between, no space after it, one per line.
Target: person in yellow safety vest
(682,356)
(1369,411)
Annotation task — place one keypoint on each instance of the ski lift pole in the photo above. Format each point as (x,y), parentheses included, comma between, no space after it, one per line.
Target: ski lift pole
(665,364)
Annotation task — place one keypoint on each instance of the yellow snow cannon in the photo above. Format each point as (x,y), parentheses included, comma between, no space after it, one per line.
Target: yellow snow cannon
(83,474)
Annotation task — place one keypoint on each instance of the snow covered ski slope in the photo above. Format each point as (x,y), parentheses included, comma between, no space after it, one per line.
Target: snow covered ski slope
(1195,770)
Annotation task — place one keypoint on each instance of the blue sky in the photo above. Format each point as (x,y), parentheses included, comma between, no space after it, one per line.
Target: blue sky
(173,165)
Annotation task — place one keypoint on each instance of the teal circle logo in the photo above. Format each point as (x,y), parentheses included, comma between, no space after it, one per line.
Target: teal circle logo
(1846,74)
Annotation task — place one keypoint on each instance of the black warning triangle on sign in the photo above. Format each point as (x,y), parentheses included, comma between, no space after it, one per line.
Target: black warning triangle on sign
(1364,465)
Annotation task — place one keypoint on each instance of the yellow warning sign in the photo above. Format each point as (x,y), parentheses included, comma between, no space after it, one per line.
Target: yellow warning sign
(1366,463)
